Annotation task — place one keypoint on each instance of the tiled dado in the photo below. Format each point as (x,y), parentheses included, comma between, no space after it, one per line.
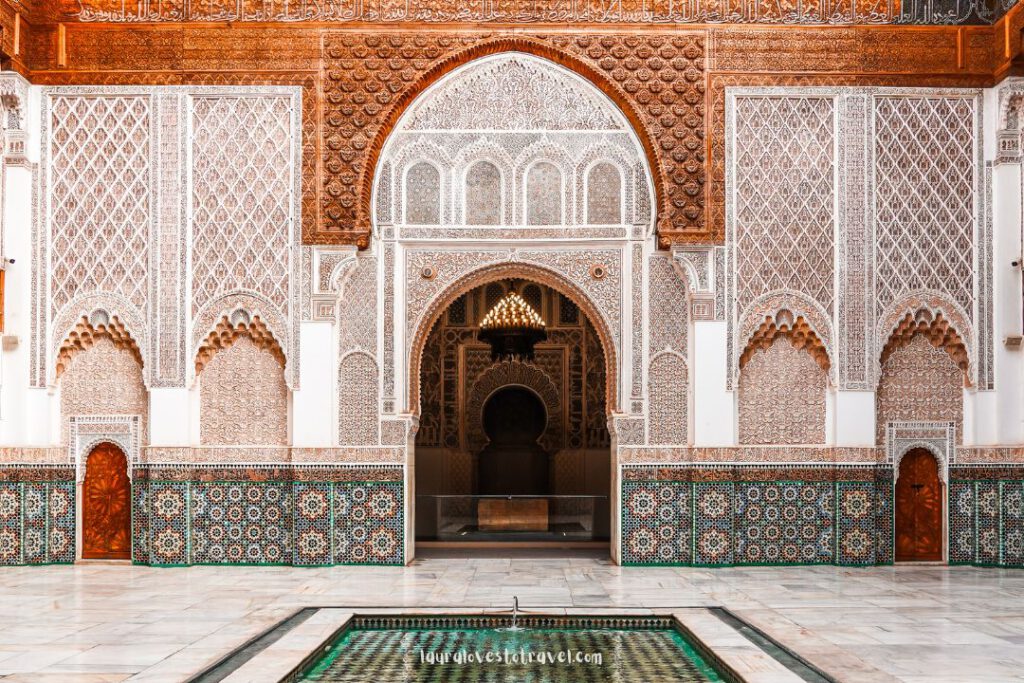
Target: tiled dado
(757,515)
(986,515)
(292,516)
(37,514)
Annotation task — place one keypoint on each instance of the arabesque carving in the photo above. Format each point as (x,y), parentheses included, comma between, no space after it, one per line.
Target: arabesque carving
(84,336)
(224,334)
(940,333)
(371,79)
(794,328)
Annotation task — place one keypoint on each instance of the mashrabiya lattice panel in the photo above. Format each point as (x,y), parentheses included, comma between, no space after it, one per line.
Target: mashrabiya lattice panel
(99,174)
(927,191)
(784,170)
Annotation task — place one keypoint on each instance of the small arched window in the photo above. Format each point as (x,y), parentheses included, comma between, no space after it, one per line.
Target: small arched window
(543,194)
(423,195)
(483,194)
(604,195)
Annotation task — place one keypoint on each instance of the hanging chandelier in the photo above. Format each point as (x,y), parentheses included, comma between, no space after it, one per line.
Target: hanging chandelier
(512,328)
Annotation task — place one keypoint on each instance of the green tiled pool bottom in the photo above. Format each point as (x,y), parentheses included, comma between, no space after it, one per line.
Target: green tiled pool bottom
(534,655)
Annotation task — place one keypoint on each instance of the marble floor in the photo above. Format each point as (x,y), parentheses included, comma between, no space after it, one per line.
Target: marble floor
(122,622)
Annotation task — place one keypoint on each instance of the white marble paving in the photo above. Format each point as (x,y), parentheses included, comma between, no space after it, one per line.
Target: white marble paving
(100,623)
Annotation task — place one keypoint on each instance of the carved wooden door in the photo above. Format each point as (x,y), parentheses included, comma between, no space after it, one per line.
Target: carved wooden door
(106,505)
(918,508)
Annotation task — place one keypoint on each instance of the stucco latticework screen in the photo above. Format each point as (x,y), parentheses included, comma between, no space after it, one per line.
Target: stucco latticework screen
(880,192)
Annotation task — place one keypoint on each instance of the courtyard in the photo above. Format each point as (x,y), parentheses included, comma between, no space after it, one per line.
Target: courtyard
(96,622)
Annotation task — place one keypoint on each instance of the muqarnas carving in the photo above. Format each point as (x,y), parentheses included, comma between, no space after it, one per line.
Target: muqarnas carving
(101,374)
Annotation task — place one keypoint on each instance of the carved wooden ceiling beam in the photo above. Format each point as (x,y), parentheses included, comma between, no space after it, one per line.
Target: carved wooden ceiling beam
(669,81)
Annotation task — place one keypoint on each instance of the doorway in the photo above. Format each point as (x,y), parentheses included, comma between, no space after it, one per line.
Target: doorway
(106,505)
(513,463)
(513,453)
(918,508)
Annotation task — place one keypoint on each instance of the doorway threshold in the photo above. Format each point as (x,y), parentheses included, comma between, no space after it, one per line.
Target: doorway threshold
(568,545)
(460,551)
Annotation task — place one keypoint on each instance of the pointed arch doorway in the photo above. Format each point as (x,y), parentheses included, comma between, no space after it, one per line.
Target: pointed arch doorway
(918,508)
(106,505)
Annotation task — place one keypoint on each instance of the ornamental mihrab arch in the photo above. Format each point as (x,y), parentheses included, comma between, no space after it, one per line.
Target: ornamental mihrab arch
(509,168)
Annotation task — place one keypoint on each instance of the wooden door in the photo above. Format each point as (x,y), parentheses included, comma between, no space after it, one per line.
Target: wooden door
(106,505)
(918,508)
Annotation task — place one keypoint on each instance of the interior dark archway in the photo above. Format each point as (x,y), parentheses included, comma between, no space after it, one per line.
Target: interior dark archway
(513,462)
(503,428)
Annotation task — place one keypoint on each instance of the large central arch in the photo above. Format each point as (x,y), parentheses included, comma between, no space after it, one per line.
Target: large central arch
(569,202)
(368,178)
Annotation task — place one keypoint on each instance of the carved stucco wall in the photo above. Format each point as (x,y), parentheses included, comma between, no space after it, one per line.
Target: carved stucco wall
(103,380)
(358,368)
(358,408)
(118,174)
(919,383)
(667,372)
(782,397)
(535,130)
(243,399)
(806,166)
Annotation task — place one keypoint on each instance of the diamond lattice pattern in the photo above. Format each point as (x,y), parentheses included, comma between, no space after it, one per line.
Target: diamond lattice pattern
(100,199)
(241,197)
(784,196)
(924,217)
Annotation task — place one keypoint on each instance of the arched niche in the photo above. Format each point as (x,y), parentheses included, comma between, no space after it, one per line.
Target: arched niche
(536,124)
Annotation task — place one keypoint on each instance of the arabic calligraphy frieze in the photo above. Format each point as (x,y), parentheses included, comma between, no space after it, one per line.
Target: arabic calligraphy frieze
(828,12)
